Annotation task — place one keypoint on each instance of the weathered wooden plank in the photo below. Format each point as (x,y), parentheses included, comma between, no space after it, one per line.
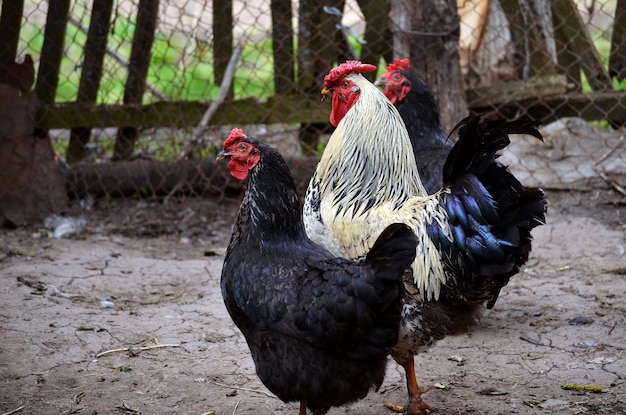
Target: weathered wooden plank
(567,61)
(95,48)
(295,109)
(318,47)
(10,24)
(137,72)
(222,38)
(577,39)
(501,94)
(282,47)
(427,32)
(196,176)
(527,37)
(52,50)
(591,107)
(377,33)
(617,58)
(279,109)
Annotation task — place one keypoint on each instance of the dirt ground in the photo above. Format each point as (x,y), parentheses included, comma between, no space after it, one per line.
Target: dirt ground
(65,302)
(127,318)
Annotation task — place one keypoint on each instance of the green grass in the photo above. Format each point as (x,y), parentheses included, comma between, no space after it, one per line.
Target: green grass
(181,67)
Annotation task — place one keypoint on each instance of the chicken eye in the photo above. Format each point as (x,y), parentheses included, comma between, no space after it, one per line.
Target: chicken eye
(397,77)
(243,147)
(345,84)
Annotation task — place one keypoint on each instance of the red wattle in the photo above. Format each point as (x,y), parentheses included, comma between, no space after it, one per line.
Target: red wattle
(238,170)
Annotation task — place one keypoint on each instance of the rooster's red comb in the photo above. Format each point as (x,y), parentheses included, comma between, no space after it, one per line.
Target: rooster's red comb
(399,65)
(235,135)
(346,68)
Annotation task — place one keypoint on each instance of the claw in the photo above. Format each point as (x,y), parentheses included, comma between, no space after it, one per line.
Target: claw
(397,409)
(415,406)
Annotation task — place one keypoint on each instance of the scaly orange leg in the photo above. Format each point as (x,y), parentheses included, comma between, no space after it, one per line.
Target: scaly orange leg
(415,406)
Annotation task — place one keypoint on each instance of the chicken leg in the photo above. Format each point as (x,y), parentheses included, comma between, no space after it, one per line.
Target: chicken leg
(303,409)
(415,406)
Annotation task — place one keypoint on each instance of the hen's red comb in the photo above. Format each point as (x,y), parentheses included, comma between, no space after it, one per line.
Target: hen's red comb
(399,65)
(346,68)
(235,134)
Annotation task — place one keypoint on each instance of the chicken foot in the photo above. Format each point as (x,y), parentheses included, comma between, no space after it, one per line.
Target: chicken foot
(303,409)
(415,406)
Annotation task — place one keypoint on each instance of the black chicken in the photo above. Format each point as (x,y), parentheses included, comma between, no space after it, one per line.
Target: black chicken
(419,110)
(319,327)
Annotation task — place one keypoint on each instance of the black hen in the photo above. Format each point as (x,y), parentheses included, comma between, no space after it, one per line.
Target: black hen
(419,110)
(319,327)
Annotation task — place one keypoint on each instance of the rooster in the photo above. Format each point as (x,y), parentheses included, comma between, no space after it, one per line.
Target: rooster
(319,327)
(474,233)
(418,108)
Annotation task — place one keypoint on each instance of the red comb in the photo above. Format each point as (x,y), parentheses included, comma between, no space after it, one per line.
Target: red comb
(235,134)
(346,68)
(399,65)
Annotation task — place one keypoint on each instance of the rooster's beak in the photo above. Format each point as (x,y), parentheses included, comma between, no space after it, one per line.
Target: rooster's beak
(223,155)
(380,81)
(325,92)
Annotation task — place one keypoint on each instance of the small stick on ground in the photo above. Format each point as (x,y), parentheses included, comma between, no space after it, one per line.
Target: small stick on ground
(612,183)
(16,410)
(128,409)
(608,153)
(243,389)
(236,406)
(135,349)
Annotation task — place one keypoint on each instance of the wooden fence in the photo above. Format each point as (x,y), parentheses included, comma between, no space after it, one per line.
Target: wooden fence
(301,54)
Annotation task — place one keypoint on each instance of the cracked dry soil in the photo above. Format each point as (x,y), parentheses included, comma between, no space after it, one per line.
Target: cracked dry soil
(142,279)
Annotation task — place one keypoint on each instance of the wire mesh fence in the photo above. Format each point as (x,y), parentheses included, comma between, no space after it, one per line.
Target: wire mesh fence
(125,83)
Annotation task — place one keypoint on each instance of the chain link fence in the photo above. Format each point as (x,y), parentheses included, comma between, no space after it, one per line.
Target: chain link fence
(132,79)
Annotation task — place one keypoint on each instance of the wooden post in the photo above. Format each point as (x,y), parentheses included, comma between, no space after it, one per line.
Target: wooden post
(617,58)
(137,72)
(95,48)
(10,23)
(317,49)
(529,37)
(427,32)
(576,38)
(377,33)
(222,38)
(282,47)
(51,55)
(32,185)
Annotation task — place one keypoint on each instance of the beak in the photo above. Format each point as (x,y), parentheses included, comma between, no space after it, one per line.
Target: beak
(325,92)
(380,81)
(223,155)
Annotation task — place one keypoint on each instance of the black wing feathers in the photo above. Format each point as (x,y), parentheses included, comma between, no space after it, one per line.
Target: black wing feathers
(482,140)
(490,213)
(275,279)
